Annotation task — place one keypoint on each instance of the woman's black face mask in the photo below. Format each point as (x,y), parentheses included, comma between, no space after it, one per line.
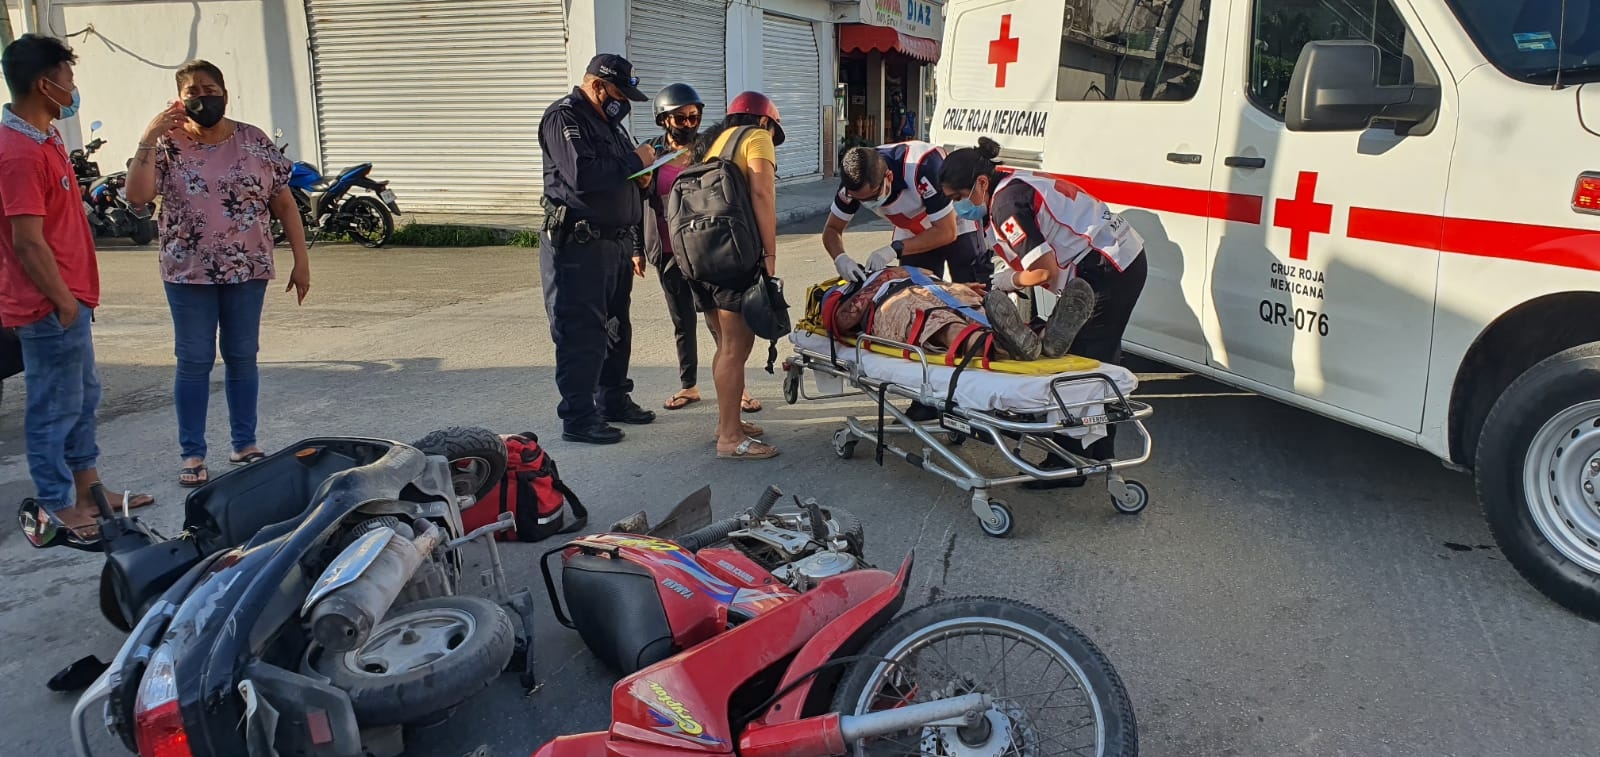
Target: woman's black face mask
(205,110)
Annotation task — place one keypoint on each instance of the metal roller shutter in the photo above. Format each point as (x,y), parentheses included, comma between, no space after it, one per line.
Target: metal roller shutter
(678,41)
(791,77)
(443,97)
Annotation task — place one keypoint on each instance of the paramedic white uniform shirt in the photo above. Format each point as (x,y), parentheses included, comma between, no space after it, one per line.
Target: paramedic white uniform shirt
(915,201)
(1033,216)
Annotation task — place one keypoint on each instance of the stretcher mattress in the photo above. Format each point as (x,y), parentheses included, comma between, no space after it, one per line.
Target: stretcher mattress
(979,390)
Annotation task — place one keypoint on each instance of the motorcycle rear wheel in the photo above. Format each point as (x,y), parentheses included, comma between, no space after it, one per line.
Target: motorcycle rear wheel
(368,221)
(1087,692)
(422,660)
(477,457)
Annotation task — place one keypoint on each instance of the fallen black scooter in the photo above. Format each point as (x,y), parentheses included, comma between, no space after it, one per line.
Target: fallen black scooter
(309,606)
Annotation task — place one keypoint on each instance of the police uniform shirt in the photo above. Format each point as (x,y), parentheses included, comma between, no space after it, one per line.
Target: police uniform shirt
(1033,216)
(911,164)
(587,162)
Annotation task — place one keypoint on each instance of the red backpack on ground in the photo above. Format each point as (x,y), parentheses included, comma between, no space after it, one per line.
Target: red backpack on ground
(532,491)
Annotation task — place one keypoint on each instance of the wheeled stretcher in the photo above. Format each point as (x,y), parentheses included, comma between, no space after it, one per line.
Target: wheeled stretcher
(1014,410)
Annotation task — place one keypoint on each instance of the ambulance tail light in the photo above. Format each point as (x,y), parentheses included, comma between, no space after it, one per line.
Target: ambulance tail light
(1586,197)
(158,722)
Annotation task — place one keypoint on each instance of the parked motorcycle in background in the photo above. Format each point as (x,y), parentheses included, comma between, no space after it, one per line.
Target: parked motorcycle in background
(326,206)
(109,213)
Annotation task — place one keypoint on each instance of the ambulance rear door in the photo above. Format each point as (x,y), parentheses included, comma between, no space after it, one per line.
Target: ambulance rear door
(1120,97)
(1328,292)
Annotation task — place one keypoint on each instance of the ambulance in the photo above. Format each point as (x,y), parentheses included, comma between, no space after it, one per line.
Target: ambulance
(1380,211)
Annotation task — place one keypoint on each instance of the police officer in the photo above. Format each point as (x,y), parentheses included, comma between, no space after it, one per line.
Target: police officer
(586,250)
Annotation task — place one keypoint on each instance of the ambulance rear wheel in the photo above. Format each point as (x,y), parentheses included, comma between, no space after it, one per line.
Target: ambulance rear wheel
(1538,477)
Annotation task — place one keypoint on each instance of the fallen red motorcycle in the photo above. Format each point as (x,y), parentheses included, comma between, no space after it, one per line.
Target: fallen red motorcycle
(785,643)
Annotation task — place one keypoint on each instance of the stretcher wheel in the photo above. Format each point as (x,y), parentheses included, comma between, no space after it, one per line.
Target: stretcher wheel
(791,385)
(844,445)
(999,525)
(1137,498)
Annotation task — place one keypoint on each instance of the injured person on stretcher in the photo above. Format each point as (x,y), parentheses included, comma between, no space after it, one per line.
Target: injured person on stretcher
(908,305)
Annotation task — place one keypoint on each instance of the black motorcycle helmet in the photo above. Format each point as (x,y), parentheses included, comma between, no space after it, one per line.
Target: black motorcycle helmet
(673,97)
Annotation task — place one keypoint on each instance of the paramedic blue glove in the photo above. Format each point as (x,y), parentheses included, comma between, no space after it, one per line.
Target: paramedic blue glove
(1003,280)
(882,258)
(849,269)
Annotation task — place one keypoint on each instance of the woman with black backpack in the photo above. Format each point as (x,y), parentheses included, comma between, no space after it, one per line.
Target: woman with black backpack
(756,157)
(678,109)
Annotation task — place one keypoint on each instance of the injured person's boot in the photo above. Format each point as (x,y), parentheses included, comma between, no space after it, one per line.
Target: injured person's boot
(1072,311)
(1013,335)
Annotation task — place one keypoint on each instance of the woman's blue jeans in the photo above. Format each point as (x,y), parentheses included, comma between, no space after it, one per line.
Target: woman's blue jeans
(204,317)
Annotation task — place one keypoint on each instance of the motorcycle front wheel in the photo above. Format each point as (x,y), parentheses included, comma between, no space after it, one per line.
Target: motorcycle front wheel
(368,221)
(1054,691)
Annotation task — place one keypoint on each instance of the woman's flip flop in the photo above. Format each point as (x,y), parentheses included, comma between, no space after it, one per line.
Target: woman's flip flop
(750,405)
(680,401)
(191,476)
(750,449)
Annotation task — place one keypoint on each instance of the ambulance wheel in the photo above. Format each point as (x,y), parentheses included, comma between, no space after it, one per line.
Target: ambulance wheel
(1135,499)
(1538,477)
(477,457)
(844,445)
(999,522)
(791,386)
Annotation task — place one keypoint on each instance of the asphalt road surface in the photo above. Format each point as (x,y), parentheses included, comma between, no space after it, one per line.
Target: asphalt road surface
(1296,587)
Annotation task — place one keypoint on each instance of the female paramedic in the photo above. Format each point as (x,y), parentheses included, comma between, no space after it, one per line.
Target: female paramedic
(1051,233)
(899,183)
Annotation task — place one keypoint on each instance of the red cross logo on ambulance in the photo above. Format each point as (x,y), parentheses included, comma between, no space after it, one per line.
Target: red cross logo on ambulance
(1004,51)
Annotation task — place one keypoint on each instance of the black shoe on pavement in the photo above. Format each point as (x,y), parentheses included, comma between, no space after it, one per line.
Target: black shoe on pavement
(593,433)
(1052,463)
(921,413)
(631,413)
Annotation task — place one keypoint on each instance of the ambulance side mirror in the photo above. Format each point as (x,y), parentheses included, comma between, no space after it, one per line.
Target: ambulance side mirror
(1335,88)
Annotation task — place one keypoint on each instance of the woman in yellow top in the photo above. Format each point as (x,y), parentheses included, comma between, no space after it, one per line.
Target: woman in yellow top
(757,157)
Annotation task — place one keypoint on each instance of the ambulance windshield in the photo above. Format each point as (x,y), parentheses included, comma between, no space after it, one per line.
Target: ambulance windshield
(1527,40)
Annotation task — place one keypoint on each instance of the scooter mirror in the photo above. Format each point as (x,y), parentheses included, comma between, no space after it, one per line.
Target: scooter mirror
(39,526)
(94,127)
(43,530)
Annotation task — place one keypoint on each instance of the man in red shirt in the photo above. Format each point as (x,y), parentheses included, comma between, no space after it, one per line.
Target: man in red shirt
(50,281)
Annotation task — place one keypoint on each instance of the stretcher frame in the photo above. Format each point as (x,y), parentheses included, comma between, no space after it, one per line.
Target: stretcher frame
(955,423)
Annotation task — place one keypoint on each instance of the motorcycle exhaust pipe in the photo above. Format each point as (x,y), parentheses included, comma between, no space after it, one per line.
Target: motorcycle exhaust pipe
(342,620)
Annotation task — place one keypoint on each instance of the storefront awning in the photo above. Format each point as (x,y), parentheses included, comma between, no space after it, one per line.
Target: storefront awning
(862,38)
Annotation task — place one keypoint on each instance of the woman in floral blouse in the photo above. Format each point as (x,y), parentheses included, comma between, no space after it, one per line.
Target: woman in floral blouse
(221,183)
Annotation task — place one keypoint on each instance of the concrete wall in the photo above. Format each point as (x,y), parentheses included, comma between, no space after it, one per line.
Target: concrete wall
(128,51)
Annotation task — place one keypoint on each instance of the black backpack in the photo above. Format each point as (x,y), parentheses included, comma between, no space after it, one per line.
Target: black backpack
(713,226)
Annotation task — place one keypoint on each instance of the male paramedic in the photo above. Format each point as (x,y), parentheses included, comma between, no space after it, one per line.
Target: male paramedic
(1079,250)
(900,182)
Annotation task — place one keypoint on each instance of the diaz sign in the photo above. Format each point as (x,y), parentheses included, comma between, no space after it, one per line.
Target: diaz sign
(918,18)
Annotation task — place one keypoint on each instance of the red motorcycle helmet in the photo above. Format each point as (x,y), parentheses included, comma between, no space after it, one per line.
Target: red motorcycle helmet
(757,104)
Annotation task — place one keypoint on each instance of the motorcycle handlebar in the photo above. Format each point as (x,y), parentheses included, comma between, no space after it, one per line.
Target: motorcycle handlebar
(705,536)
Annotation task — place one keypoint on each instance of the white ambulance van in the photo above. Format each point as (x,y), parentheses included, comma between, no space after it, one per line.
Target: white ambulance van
(1381,211)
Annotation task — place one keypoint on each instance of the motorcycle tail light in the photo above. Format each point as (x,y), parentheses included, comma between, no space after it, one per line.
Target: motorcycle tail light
(158,720)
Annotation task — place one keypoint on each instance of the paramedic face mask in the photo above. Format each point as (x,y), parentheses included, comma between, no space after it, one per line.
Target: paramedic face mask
(975,205)
(883,195)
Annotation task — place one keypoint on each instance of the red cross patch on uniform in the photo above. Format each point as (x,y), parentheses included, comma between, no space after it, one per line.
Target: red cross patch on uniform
(1013,232)
(926,188)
